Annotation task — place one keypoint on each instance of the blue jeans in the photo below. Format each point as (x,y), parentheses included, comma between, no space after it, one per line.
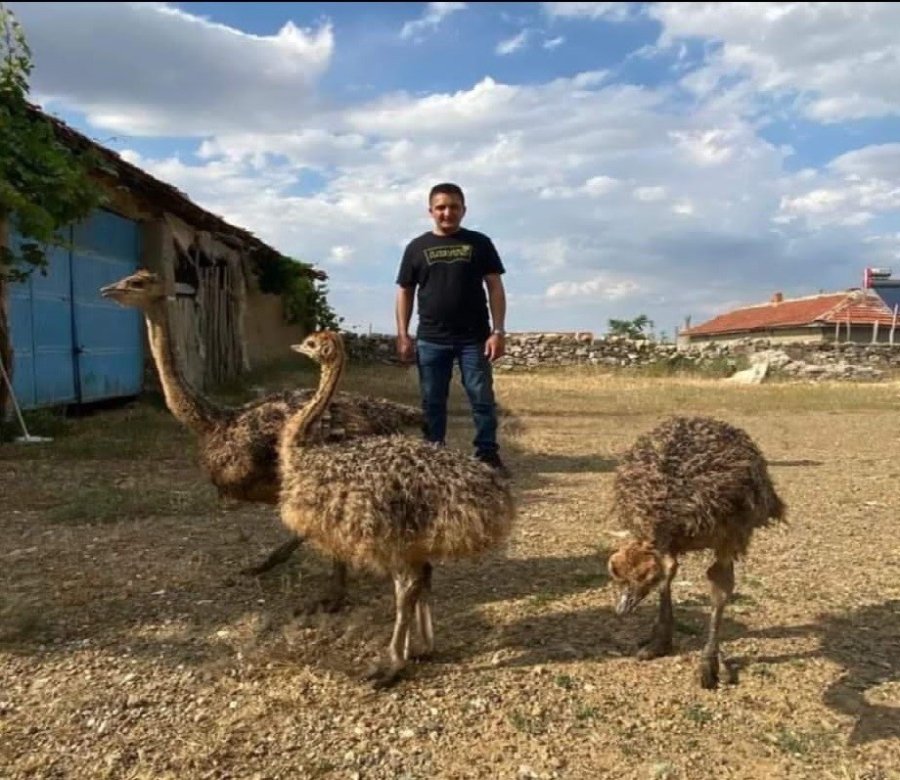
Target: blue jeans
(435,363)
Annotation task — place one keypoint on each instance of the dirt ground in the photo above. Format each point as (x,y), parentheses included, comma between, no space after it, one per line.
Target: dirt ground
(132,647)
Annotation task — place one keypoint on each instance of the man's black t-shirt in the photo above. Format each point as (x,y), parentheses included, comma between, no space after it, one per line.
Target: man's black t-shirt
(449,272)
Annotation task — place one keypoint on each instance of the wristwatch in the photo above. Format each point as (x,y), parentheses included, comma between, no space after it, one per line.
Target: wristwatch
(498,332)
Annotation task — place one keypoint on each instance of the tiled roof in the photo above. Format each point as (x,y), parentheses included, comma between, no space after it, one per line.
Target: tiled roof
(862,309)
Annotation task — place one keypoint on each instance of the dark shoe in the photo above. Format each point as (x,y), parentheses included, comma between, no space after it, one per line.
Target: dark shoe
(492,459)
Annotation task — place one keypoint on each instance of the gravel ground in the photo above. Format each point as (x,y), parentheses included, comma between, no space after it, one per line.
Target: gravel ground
(132,647)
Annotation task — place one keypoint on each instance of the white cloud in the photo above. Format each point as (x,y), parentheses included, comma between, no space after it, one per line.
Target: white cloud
(615,12)
(603,286)
(815,202)
(706,147)
(878,161)
(594,187)
(837,59)
(152,69)
(851,190)
(546,256)
(314,148)
(649,194)
(341,255)
(434,14)
(552,43)
(513,44)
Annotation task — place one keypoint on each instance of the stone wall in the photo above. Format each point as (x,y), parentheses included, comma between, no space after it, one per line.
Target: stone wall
(537,350)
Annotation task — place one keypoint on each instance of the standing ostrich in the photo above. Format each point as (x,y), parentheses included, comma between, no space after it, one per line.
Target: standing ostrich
(692,483)
(390,504)
(238,447)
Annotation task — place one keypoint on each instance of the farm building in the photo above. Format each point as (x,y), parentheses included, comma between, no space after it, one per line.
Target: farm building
(71,346)
(884,285)
(853,315)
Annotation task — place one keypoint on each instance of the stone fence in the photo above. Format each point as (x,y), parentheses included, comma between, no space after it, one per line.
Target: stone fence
(536,350)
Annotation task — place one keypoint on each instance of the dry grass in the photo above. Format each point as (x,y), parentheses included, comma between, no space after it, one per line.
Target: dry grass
(131,648)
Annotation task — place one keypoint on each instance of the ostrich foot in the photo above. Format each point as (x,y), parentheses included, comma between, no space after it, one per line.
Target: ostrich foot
(420,653)
(658,645)
(709,672)
(385,676)
(275,558)
(713,671)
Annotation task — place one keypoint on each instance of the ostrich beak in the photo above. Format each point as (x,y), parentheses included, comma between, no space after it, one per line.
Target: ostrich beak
(114,291)
(302,349)
(627,602)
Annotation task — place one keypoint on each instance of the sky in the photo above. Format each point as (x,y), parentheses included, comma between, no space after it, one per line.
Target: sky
(667,159)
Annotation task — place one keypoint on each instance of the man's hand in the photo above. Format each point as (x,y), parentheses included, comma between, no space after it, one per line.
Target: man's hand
(405,349)
(495,347)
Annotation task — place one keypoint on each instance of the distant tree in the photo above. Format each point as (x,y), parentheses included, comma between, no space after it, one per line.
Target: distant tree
(633,329)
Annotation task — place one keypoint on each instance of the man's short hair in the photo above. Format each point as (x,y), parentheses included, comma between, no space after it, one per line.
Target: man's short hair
(446,188)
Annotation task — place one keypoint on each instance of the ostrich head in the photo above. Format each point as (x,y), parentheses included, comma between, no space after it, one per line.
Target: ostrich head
(325,347)
(140,290)
(637,569)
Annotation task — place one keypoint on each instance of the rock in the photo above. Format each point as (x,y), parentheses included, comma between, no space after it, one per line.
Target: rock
(751,376)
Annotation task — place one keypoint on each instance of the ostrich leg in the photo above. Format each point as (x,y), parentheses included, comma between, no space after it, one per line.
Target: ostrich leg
(660,642)
(424,629)
(721,578)
(407,589)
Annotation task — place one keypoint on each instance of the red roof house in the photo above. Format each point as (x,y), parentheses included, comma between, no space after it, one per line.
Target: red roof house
(845,316)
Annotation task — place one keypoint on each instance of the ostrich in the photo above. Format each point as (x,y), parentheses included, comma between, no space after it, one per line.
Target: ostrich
(390,504)
(691,484)
(238,446)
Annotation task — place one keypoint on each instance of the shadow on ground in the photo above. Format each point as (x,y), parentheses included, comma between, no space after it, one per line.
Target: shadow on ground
(863,643)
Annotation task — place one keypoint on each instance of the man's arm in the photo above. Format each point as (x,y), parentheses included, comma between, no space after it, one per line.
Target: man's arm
(404,308)
(495,347)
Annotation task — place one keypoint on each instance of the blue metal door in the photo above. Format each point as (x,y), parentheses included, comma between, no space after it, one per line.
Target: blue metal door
(69,344)
(41,330)
(108,347)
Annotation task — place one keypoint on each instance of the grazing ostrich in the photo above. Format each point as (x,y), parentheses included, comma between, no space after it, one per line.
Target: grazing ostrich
(238,447)
(390,504)
(690,484)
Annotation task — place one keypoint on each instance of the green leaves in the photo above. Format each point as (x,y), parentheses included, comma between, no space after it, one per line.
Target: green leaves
(305,300)
(633,329)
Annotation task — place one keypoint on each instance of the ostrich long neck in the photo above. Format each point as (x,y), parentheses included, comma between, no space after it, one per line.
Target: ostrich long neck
(186,405)
(295,433)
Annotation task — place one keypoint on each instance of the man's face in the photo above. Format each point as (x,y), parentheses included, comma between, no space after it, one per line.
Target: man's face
(447,212)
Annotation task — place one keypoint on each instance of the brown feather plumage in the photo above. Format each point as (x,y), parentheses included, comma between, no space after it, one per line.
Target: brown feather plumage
(391,504)
(240,453)
(382,502)
(695,483)
(692,483)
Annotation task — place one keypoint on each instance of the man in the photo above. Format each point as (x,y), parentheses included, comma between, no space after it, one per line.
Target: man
(451,266)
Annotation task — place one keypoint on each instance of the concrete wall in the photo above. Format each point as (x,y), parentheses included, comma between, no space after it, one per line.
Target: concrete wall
(268,336)
(780,336)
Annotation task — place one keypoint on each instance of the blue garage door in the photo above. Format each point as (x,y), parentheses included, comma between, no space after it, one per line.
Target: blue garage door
(70,345)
